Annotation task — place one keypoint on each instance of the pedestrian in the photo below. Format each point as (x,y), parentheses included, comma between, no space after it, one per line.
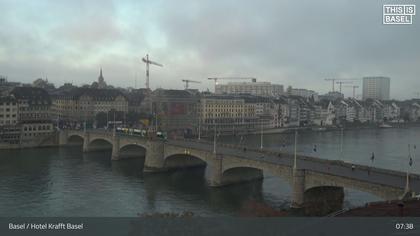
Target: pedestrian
(315,148)
(372,158)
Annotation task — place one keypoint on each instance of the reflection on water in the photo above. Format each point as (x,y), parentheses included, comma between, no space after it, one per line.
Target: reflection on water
(67,182)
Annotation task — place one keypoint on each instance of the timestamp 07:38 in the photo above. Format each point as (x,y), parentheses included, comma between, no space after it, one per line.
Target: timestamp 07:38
(404,226)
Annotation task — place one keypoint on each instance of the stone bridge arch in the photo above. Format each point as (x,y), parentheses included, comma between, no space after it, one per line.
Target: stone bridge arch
(178,157)
(75,139)
(318,180)
(129,142)
(132,150)
(241,174)
(323,200)
(183,160)
(284,172)
(99,143)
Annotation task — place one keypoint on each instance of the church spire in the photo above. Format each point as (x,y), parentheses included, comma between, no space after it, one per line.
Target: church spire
(101,77)
(101,80)
(100,74)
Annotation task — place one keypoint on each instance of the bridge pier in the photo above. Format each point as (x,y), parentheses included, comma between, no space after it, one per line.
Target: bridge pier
(154,161)
(115,148)
(62,137)
(86,141)
(214,171)
(298,188)
(323,200)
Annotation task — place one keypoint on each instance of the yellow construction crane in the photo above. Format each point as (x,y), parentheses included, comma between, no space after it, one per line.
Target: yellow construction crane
(149,62)
(230,78)
(187,82)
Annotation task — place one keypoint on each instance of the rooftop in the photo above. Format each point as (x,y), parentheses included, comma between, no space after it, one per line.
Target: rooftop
(96,94)
(32,94)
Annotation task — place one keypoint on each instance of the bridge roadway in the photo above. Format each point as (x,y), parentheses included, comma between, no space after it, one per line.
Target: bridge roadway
(232,164)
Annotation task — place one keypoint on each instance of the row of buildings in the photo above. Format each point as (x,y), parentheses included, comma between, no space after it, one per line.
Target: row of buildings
(374,87)
(188,110)
(35,110)
(25,116)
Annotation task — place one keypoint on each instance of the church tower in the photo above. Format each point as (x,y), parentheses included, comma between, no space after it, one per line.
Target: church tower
(101,81)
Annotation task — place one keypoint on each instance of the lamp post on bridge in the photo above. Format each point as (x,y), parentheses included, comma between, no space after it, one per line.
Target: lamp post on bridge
(84,123)
(107,120)
(114,128)
(199,127)
(262,136)
(410,163)
(295,151)
(215,136)
(341,143)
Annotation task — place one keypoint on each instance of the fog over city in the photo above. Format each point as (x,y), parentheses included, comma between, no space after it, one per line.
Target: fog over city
(297,43)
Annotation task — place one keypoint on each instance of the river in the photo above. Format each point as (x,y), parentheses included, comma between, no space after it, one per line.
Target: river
(67,182)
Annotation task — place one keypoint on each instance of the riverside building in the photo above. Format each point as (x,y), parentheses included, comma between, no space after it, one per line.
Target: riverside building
(265,89)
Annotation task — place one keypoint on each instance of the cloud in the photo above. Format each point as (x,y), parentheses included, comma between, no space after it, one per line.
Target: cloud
(294,43)
(288,42)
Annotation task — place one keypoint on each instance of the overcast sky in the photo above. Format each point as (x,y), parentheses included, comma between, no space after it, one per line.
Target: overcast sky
(297,43)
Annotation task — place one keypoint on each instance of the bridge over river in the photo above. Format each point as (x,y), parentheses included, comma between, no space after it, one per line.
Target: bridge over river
(232,164)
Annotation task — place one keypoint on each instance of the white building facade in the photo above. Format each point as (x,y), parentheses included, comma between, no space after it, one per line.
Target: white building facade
(376,87)
(265,89)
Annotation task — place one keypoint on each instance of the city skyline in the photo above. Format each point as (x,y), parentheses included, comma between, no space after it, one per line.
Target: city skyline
(297,44)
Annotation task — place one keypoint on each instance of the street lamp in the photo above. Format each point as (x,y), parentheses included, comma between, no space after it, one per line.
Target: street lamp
(84,123)
(295,152)
(410,162)
(114,125)
(414,155)
(262,136)
(156,122)
(199,127)
(341,143)
(214,140)
(107,120)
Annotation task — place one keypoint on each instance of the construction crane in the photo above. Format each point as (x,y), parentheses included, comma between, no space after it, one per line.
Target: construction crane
(149,62)
(333,80)
(343,82)
(230,78)
(187,81)
(354,89)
